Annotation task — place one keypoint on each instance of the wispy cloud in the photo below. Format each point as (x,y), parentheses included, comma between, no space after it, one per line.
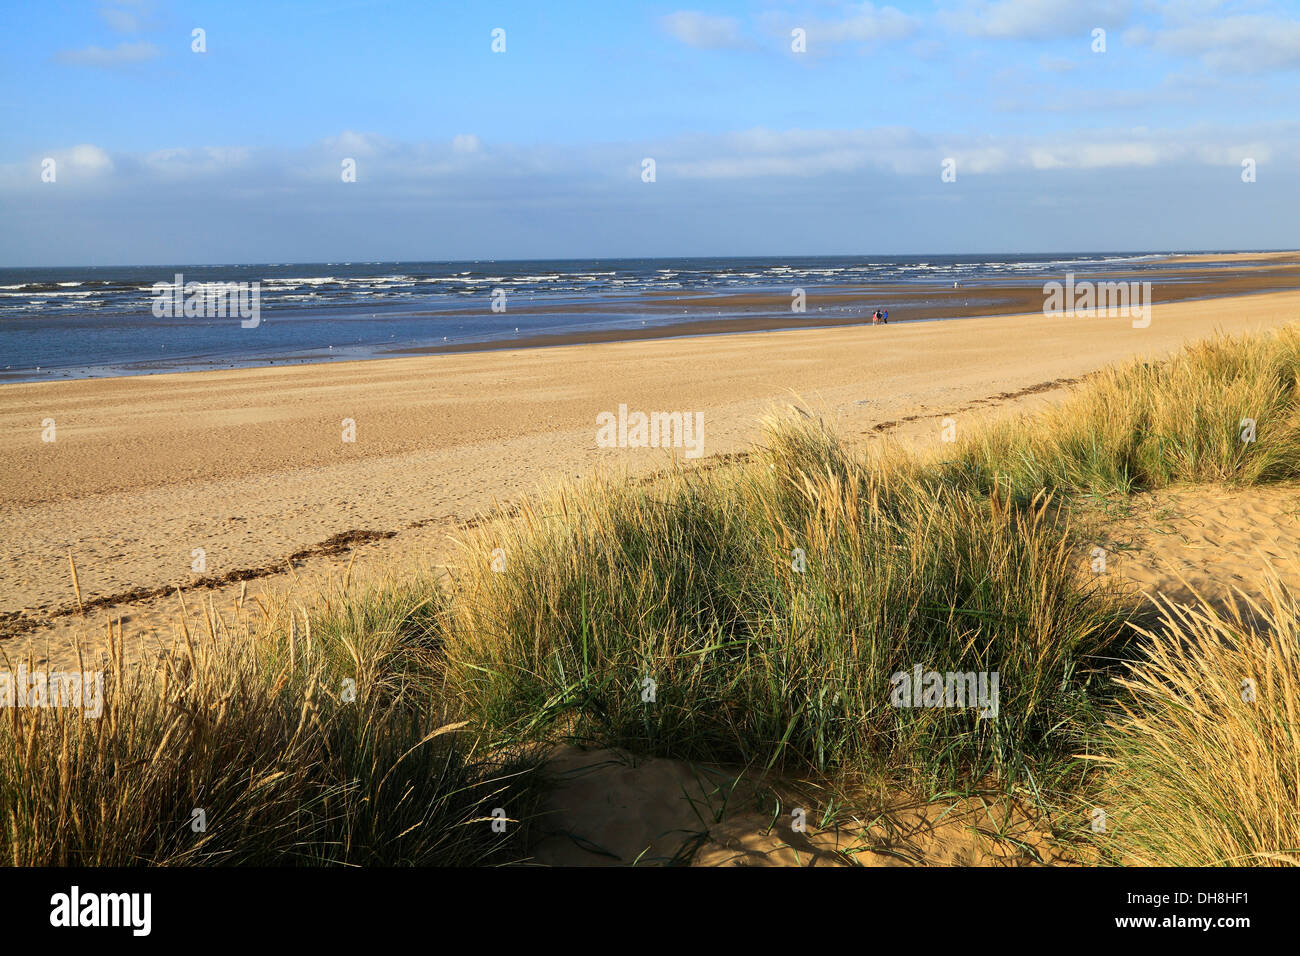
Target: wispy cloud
(850,23)
(1248,43)
(704,30)
(853,23)
(1034,19)
(123,21)
(207,161)
(125,16)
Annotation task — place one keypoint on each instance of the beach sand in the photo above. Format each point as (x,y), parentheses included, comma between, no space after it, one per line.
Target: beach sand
(250,465)
(610,808)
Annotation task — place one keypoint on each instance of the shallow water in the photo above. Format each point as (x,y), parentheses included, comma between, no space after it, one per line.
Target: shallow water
(99,321)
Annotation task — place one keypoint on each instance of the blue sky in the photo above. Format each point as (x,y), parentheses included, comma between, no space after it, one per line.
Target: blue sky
(162,154)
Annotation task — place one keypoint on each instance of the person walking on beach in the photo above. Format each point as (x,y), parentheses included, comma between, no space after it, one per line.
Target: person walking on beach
(884,316)
(875,317)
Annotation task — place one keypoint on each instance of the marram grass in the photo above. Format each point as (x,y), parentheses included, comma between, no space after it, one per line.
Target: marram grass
(1202,762)
(767,607)
(263,753)
(1225,410)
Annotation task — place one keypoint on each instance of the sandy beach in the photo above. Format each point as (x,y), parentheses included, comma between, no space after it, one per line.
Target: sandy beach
(251,465)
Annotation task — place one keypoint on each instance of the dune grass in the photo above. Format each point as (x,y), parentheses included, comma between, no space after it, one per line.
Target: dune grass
(1203,759)
(288,764)
(756,612)
(770,604)
(1145,425)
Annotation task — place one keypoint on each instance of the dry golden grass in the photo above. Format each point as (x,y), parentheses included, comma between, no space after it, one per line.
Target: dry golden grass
(1146,425)
(325,744)
(770,604)
(1203,763)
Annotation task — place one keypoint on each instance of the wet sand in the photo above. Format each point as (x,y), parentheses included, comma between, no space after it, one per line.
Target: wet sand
(713,314)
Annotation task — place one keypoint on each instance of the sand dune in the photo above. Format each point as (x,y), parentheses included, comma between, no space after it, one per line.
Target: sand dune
(1209,541)
(609,808)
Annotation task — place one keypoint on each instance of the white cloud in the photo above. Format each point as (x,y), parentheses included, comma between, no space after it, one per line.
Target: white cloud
(538,174)
(194,163)
(811,153)
(1233,155)
(904,152)
(125,16)
(1034,19)
(979,160)
(120,55)
(747,167)
(72,165)
(863,23)
(1249,43)
(466,143)
(1098,155)
(123,21)
(795,152)
(87,157)
(703,30)
(351,143)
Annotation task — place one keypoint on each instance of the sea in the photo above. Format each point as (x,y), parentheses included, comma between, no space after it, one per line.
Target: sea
(96,321)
